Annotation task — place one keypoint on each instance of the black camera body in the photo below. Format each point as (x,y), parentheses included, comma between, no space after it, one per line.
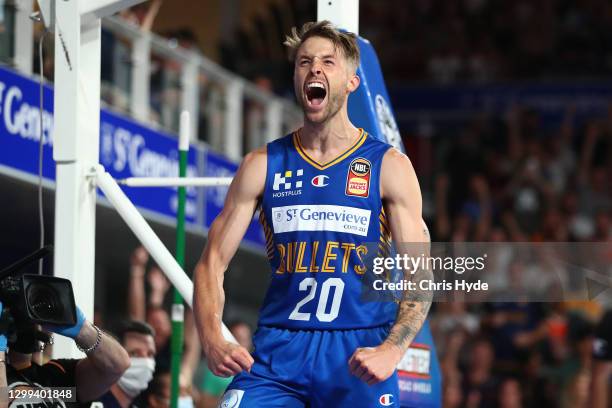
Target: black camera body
(36,299)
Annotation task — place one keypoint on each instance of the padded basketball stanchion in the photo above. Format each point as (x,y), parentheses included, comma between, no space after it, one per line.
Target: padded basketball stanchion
(369,108)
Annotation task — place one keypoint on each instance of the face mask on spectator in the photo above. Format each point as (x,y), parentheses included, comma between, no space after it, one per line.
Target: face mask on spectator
(185,402)
(137,377)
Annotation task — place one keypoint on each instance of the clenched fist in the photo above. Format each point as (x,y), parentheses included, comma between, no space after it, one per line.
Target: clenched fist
(226,359)
(375,364)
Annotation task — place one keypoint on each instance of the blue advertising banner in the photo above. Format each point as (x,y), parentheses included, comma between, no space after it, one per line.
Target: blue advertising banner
(20,125)
(131,150)
(127,149)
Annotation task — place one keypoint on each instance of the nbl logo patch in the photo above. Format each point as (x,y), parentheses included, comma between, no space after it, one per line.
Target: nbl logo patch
(358,178)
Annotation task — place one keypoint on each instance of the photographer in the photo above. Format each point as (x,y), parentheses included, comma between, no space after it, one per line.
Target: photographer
(72,380)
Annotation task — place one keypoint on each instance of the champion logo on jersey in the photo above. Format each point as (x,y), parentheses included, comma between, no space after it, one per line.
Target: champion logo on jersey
(320,180)
(386,400)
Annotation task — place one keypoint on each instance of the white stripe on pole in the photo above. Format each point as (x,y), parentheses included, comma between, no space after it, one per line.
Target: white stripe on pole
(151,242)
(175,181)
(184,131)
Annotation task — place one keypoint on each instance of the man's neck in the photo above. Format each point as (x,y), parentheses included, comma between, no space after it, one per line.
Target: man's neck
(122,398)
(338,133)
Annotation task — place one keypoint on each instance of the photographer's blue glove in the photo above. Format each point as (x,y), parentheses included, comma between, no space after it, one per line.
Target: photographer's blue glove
(2,335)
(69,331)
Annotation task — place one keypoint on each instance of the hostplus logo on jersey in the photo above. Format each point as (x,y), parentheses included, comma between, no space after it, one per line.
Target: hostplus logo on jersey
(335,218)
(286,184)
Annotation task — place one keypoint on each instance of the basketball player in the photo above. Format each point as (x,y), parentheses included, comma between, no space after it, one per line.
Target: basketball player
(323,192)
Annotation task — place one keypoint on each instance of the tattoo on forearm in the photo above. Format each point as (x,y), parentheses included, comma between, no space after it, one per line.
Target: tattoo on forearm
(412,311)
(410,318)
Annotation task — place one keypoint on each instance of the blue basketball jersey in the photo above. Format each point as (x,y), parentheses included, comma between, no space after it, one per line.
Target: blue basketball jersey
(320,220)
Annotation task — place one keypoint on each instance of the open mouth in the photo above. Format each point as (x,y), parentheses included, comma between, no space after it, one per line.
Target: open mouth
(315,93)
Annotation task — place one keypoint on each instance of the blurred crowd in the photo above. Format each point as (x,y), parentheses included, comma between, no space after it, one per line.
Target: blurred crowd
(511,180)
(484,40)
(148,303)
(445,41)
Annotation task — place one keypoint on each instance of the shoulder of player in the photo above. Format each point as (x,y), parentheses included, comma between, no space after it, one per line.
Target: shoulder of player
(397,174)
(255,160)
(395,161)
(251,175)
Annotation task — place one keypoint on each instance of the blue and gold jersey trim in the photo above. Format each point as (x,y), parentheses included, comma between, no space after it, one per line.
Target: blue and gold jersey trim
(319,166)
(384,243)
(267,232)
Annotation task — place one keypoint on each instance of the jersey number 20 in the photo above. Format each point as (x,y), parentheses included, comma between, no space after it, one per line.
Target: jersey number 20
(322,315)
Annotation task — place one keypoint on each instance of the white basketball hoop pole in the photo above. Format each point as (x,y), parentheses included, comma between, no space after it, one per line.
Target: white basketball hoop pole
(149,240)
(76,24)
(343,13)
(175,181)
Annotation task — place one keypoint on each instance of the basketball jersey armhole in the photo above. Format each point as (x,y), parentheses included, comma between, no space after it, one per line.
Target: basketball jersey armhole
(378,165)
(265,189)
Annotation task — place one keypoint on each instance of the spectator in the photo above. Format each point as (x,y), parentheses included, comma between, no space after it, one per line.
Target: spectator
(510,394)
(142,15)
(116,58)
(479,383)
(153,311)
(136,337)
(243,333)
(159,392)
(156,315)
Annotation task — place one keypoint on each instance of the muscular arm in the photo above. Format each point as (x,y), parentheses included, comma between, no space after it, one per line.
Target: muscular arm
(103,366)
(224,237)
(402,200)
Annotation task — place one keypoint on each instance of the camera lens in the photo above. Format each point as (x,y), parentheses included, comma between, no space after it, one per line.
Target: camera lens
(44,301)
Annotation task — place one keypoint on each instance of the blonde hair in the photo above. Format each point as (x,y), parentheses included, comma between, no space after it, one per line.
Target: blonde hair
(344,40)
